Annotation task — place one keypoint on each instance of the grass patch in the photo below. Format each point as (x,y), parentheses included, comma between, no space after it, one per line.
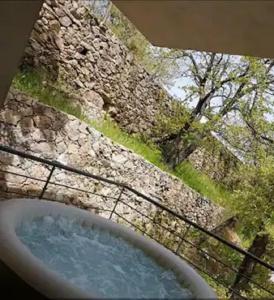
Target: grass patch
(31,83)
(186,172)
(202,184)
(149,151)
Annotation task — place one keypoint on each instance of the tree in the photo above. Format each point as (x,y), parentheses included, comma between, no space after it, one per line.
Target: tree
(254,203)
(221,87)
(253,132)
(247,267)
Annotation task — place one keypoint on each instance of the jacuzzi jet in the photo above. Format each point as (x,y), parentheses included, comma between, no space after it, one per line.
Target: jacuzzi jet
(65,252)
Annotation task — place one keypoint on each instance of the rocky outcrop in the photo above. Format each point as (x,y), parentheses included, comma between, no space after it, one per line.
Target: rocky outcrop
(97,68)
(35,128)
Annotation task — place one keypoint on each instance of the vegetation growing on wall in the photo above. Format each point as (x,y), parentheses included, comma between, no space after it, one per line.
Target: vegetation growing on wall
(167,125)
(253,200)
(31,82)
(253,187)
(36,84)
(147,55)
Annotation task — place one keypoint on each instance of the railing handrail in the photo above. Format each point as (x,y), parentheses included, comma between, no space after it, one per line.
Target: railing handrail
(59,165)
(147,198)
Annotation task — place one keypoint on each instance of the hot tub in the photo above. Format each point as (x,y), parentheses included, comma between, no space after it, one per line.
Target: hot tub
(52,250)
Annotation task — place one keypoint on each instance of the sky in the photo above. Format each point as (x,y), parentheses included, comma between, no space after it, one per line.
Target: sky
(175,90)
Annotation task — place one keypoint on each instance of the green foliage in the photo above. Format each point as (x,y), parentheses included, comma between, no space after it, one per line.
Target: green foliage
(128,33)
(34,83)
(253,197)
(155,60)
(171,123)
(230,92)
(253,202)
(218,288)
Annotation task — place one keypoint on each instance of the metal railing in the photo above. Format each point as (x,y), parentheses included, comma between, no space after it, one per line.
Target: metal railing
(215,258)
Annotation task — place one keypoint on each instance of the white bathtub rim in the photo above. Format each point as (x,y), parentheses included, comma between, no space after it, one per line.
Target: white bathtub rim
(36,273)
(28,267)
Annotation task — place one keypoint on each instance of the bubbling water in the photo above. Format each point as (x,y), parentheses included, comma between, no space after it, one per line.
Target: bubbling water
(98,261)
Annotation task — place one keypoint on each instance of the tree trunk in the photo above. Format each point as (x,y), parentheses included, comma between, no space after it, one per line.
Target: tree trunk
(258,248)
(177,147)
(176,150)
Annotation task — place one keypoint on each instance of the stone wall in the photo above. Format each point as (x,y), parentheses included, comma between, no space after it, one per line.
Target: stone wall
(35,128)
(218,162)
(97,68)
(100,73)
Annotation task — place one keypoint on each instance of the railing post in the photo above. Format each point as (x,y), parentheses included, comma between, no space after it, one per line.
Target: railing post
(179,246)
(47,182)
(182,239)
(117,201)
